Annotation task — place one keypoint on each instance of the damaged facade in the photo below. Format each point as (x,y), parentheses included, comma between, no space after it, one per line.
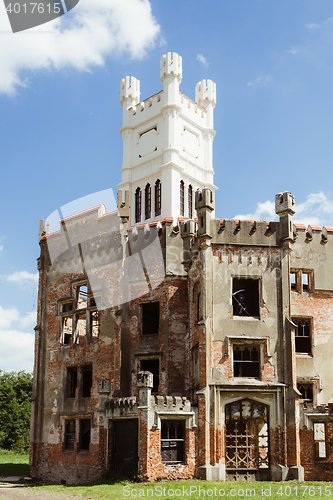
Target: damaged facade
(175,344)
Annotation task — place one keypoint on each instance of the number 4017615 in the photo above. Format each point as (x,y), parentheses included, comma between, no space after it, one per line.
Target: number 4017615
(30,8)
(304,491)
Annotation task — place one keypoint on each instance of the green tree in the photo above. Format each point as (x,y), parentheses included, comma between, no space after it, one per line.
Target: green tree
(15,395)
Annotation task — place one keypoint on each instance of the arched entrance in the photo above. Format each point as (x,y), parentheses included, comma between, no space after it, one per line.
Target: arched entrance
(247,440)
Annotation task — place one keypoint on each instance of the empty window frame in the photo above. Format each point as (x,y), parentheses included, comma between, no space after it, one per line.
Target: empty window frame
(94,325)
(86,381)
(158,197)
(303,339)
(245,297)
(320,443)
(172,441)
(293,281)
(246,360)
(306,389)
(82,296)
(84,437)
(305,281)
(80,326)
(182,191)
(71,381)
(190,202)
(147,201)
(150,318)
(152,366)
(66,329)
(138,205)
(70,434)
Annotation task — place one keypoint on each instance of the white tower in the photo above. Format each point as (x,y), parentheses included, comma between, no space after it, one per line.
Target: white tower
(167,145)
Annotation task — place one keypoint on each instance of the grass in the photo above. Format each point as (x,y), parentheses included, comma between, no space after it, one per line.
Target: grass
(196,490)
(14,464)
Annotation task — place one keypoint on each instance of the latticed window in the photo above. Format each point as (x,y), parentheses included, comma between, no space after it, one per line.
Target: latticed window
(148,201)
(138,205)
(247,435)
(158,197)
(70,435)
(303,335)
(246,361)
(190,201)
(172,441)
(182,189)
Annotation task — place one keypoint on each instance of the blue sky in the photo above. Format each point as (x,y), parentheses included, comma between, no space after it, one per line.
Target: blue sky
(60,116)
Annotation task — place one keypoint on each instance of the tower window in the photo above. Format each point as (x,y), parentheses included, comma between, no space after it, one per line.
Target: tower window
(303,335)
(152,366)
(307,393)
(245,297)
(182,198)
(71,381)
(84,434)
(246,360)
(150,318)
(158,197)
(172,441)
(138,205)
(293,281)
(70,435)
(190,202)
(86,375)
(148,201)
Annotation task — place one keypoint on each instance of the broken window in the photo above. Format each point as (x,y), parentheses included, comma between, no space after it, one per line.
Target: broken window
(293,281)
(94,325)
(150,318)
(82,297)
(182,189)
(152,366)
(172,441)
(190,202)
(319,440)
(245,297)
(86,378)
(71,381)
(84,439)
(246,360)
(306,390)
(70,434)
(138,205)
(80,327)
(303,335)
(66,329)
(147,201)
(158,197)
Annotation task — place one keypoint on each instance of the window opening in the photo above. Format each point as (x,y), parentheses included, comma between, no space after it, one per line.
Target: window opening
(305,282)
(81,327)
(138,205)
(84,434)
(172,441)
(293,281)
(190,202)
(307,393)
(67,329)
(303,335)
(69,434)
(182,198)
(71,381)
(150,318)
(319,440)
(82,297)
(86,375)
(199,316)
(67,307)
(152,366)
(245,297)
(94,324)
(247,435)
(158,197)
(148,201)
(246,361)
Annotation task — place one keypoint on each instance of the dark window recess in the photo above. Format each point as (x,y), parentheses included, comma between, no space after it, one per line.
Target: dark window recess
(246,361)
(182,198)
(303,335)
(67,329)
(172,441)
(138,205)
(71,381)
(148,201)
(293,281)
(190,202)
(84,434)
(307,392)
(70,435)
(86,375)
(152,366)
(67,307)
(158,197)
(245,297)
(150,318)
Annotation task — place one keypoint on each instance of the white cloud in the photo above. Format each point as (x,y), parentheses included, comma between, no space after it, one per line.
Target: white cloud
(294,50)
(202,59)
(17,350)
(82,39)
(261,80)
(8,317)
(316,209)
(312,26)
(29,319)
(22,277)
(1,248)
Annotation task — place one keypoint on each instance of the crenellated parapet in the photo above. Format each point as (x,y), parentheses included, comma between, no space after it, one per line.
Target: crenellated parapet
(170,403)
(129,91)
(171,65)
(205,93)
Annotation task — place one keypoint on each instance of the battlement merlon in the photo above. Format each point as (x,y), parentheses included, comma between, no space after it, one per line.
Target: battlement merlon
(171,75)
(129,92)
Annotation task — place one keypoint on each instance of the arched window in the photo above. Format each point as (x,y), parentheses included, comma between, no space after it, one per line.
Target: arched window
(158,197)
(138,205)
(182,198)
(190,202)
(147,201)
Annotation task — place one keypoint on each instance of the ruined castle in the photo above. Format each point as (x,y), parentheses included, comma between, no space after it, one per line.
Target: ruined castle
(174,344)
